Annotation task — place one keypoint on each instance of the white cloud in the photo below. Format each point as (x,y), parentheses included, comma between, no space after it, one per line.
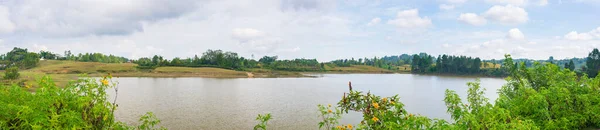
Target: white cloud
(38,48)
(66,18)
(507,15)
(446,7)
(596,32)
(6,25)
(296,49)
(543,2)
(410,19)
(512,2)
(456,1)
(245,34)
(515,33)
(256,40)
(374,21)
(584,36)
(445,45)
(473,19)
(573,35)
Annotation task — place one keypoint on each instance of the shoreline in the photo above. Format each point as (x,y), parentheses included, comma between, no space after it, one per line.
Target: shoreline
(458,75)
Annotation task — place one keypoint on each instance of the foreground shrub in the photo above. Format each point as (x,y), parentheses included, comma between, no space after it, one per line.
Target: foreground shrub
(81,104)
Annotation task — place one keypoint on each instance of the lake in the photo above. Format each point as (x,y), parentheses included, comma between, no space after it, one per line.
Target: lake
(226,104)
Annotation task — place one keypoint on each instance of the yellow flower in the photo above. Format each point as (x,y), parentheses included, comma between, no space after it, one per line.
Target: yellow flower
(104,81)
(392,102)
(27,86)
(375,105)
(349,126)
(329,105)
(410,115)
(340,127)
(375,119)
(329,110)
(384,99)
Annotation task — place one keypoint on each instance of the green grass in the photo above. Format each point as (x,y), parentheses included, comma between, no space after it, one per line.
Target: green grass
(31,78)
(201,71)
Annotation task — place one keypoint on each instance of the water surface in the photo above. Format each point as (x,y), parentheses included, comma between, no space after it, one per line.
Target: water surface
(226,104)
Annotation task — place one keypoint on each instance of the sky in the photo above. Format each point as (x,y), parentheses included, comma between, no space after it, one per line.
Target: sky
(321,29)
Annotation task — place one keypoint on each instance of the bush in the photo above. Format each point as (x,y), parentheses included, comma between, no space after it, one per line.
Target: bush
(12,73)
(81,104)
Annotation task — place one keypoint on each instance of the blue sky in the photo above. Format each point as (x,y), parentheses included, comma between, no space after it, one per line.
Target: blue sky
(322,29)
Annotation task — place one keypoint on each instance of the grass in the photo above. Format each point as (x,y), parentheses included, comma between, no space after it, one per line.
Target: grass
(490,65)
(31,78)
(256,72)
(73,67)
(64,71)
(201,72)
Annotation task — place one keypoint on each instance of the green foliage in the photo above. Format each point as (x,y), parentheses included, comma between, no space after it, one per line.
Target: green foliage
(97,57)
(386,62)
(539,97)
(149,122)
(21,58)
(12,73)
(81,104)
(593,63)
(267,59)
(263,119)
(329,117)
(421,63)
(48,55)
(230,60)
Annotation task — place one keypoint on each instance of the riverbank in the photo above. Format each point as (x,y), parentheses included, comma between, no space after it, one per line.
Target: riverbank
(64,71)
(459,75)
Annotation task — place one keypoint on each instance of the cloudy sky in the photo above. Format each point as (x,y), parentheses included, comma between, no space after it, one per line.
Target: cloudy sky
(322,29)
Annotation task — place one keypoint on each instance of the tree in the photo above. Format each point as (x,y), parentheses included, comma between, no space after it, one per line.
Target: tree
(571,65)
(22,59)
(593,63)
(267,59)
(12,73)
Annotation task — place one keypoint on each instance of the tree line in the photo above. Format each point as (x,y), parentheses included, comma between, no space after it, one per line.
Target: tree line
(230,60)
(25,59)
(386,62)
(449,64)
(420,63)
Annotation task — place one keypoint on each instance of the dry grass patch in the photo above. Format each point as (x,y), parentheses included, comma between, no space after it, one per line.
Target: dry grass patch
(74,67)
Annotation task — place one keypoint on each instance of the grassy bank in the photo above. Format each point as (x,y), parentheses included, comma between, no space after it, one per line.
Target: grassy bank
(64,71)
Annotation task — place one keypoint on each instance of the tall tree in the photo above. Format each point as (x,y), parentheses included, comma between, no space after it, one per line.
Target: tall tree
(593,63)
(571,65)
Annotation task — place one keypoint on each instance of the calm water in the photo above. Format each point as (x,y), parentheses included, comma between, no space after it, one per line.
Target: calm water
(211,104)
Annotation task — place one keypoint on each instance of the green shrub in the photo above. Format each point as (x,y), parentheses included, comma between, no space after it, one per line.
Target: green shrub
(81,104)
(12,73)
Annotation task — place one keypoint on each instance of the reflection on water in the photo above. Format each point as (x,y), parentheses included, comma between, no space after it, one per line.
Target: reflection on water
(207,103)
